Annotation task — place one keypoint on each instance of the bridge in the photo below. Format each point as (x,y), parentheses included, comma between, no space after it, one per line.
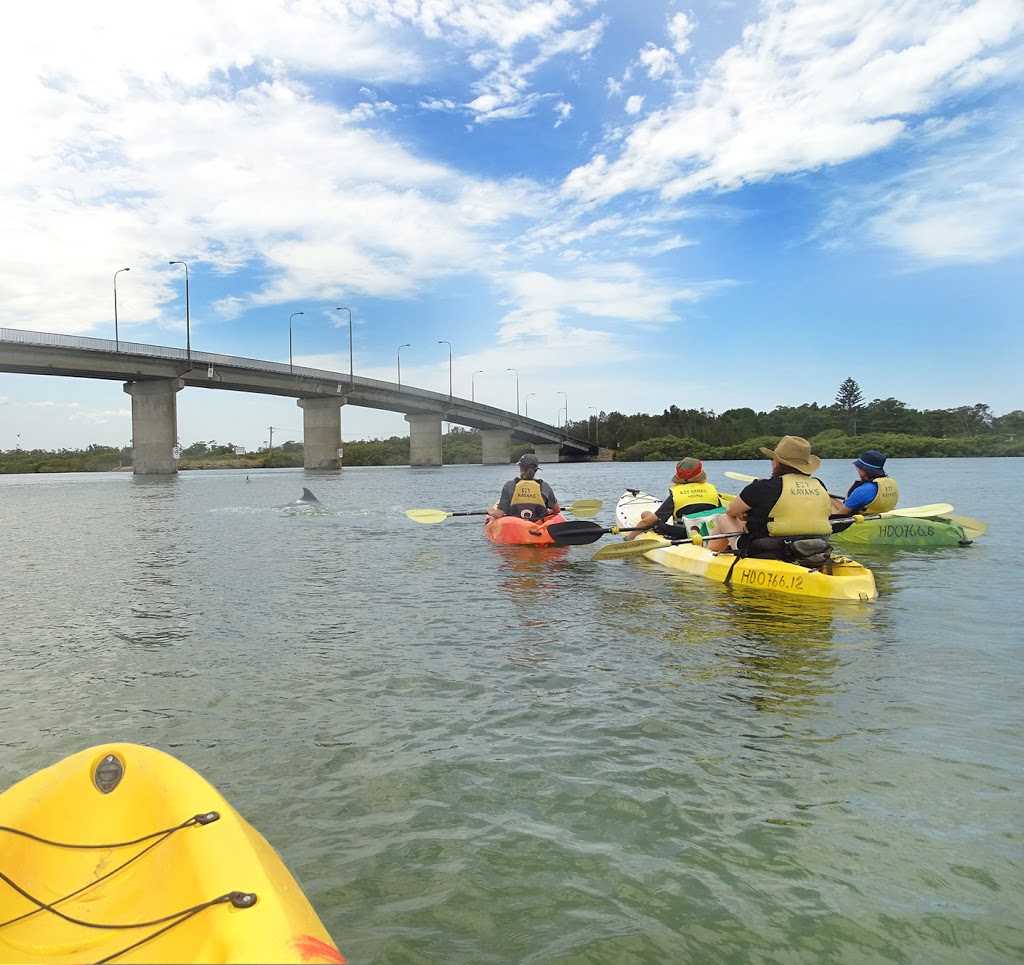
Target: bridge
(154,374)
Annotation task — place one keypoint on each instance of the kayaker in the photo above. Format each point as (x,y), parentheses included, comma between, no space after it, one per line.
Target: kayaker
(874,491)
(790,503)
(689,492)
(525,496)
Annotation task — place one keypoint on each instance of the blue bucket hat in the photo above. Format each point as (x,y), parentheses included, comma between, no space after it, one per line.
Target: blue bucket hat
(872,462)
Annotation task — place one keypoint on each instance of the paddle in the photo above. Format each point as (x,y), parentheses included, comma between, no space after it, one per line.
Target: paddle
(579,534)
(971,527)
(582,507)
(616,551)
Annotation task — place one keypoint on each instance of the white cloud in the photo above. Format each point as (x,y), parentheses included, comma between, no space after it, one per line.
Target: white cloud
(680,27)
(438,104)
(658,62)
(548,308)
(505,90)
(967,209)
(98,417)
(812,84)
(634,104)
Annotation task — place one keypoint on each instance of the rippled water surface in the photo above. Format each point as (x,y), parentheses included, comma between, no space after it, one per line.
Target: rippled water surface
(482,754)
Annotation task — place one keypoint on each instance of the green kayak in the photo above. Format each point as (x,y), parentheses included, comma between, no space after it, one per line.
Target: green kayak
(896,531)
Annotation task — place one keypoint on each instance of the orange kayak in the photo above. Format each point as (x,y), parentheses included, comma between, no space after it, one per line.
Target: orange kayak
(513,531)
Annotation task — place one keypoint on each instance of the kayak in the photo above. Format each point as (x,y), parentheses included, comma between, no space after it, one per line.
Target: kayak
(514,531)
(841,579)
(121,853)
(903,531)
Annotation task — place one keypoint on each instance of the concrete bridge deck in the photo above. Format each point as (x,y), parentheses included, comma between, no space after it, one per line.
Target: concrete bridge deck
(153,375)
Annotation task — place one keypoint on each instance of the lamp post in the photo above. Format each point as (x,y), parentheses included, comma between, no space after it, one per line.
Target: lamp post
(564,396)
(349,310)
(526,404)
(597,427)
(188,325)
(441,341)
(517,387)
(472,384)
(290,317)
(400,347)
(117,343)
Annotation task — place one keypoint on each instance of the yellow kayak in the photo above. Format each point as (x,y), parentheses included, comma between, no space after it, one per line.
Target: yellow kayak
(842,579)
(121,853)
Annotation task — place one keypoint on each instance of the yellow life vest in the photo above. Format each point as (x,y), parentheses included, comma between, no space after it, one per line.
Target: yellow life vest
(685,495)
(886,498)
(527,500)
(802,509)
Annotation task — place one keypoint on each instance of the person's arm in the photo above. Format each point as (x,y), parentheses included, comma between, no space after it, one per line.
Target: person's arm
(737,509)
(504,501)
(648,519)
(856,501)
(549,499)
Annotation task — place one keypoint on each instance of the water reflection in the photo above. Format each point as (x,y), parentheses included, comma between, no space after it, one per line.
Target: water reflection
(533,580)
(776,653)
(528,571)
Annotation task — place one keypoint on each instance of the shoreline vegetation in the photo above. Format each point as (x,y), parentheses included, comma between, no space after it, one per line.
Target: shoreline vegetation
(840,431)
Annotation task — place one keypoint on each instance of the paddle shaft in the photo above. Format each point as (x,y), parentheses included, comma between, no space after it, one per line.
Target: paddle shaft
(580,533)
(582,507)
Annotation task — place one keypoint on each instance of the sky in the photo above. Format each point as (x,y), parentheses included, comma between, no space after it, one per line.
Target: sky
(572,206)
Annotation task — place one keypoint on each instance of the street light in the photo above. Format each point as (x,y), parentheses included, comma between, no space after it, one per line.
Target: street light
(597,427)
(517,387)
(188,326)
(472,384)
(290,317)
(526,404)
(561,393)
(349,310)
(117,344)
(441,341)
(400,347)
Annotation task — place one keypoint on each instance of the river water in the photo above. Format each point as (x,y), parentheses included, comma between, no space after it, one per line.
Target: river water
(481,754)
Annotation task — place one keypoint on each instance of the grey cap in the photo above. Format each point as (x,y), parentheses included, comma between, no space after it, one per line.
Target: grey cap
(528,459)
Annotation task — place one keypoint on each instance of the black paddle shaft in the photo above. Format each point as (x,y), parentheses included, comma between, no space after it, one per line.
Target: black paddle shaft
(582,532)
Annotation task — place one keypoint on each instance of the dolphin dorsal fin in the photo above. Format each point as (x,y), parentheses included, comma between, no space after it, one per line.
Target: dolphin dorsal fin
(307,495)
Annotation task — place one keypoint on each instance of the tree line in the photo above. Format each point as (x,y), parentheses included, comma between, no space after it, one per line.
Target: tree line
(841,430)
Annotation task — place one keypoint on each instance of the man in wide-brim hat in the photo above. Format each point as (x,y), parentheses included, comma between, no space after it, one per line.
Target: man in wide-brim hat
(791,502)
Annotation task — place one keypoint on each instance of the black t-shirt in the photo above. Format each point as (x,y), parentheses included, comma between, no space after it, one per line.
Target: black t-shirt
(761,496)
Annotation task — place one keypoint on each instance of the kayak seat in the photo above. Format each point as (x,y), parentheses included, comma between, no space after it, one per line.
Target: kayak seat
(812,552)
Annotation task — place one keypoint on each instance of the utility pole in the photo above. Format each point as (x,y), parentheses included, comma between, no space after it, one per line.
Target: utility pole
(272,428)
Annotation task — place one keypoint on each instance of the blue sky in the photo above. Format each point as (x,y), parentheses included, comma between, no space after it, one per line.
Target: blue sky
(635,205)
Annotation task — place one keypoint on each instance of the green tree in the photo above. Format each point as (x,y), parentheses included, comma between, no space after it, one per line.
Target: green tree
(849,403)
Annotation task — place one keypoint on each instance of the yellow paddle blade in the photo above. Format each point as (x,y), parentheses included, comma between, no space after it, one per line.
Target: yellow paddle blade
(427,515)
(742,476)
(931,509)
(585,507)
(619,551)
(972,527)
